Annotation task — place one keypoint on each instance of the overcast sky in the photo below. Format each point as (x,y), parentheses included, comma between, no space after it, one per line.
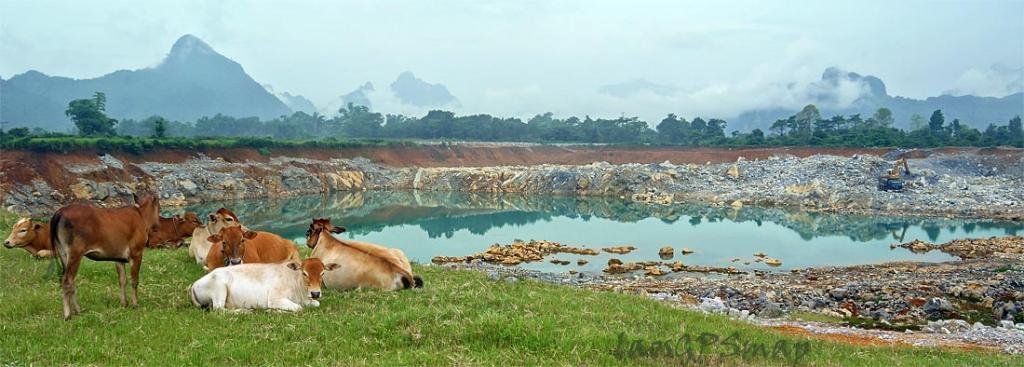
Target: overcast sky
(525,57)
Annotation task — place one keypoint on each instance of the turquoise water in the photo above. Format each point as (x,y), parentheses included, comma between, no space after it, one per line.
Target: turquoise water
(428,224)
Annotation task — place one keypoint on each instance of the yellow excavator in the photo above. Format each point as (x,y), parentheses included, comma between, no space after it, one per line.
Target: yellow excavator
(893,178)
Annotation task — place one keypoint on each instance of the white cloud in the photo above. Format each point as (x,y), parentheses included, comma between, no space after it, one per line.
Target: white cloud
(995,81)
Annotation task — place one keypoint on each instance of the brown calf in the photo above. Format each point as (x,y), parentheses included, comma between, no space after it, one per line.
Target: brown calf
(102,234)
(32,236)
(199,247)
(171,232)
(235,245)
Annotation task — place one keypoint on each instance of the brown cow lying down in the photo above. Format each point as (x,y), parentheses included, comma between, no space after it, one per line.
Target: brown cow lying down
(281,286)
(200,247)
(32,236)
(102,234)
(235,245)
(171,232)
(363,265)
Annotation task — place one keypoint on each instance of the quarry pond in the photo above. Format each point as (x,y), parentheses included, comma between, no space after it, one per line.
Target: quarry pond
(427,224)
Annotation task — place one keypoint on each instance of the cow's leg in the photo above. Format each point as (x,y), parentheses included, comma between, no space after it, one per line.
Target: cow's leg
(285,304)
(219,297)
(67,283)
(122,279)
(136,263)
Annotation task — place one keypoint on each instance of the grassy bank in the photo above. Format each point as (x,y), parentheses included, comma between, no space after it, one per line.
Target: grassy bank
(459,318)
(133,145)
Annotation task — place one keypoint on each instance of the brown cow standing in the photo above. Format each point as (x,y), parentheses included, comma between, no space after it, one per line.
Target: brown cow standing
(32,236)
(102,234)
(171,232)
(236,245)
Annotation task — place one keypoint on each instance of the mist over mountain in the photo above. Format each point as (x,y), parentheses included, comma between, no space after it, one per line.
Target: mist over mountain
(192,81)
(414,91)
(635,87)
(360,96)
(840,92)
(295,102)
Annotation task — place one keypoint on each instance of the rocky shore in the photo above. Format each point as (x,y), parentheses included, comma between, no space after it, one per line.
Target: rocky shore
(954,185)
(978,300)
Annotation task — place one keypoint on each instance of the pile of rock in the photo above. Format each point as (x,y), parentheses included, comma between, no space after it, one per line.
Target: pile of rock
(518,252)
(1007,247)
(619,249)
(654,268)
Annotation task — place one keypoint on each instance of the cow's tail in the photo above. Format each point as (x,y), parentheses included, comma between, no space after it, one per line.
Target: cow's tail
(59,249)
(410,281)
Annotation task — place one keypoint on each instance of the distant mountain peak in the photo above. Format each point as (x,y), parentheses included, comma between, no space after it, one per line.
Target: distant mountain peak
(191,82)
(188,46)
(414,91)
(840,92)
(359,97)
(833,76)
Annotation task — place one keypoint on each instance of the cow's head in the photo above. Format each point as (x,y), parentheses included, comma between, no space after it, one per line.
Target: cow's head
(22,234)
(222,218)
(317,227)
(188,223)
(312,273)
(149,207)
(232,243)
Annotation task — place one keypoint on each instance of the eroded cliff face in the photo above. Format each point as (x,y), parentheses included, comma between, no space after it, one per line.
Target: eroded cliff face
(957,184)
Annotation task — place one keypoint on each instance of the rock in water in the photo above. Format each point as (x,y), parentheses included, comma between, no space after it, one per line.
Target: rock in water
(654,270)
(666,252)
(619,249)
(686,251)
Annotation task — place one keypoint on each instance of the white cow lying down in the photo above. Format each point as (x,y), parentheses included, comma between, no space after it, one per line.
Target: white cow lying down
(284,286)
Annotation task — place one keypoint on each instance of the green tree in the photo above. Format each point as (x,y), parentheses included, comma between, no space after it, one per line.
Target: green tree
(806,119)
(883,117)
(917,122)
(672,129)
(936,121)
(90,117)
(18,132)
(159,127)
(1016,132)
(357,120)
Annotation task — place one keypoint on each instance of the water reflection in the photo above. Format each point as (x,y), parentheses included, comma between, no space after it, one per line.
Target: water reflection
(441,214)
(426,224)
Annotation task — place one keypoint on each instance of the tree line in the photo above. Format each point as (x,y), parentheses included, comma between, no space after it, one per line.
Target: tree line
(805,128)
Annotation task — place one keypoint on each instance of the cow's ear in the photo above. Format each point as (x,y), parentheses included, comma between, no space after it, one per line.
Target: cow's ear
(213,217)
(332,266)
(338,229)
(214,238)
(294,266)
(37,226)
(249,235)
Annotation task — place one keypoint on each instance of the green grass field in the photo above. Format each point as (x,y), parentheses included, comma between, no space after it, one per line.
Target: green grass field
(460,318)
